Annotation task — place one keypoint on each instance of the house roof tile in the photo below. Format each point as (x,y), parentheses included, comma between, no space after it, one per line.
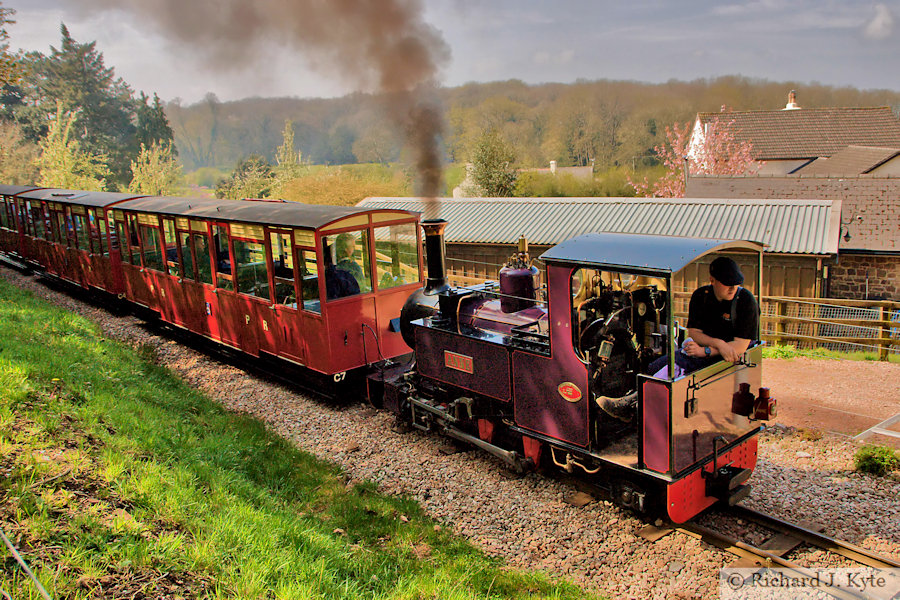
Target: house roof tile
(851,161)
(809,132)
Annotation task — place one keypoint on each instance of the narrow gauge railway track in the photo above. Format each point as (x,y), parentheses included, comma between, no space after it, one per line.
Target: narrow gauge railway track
(789,536)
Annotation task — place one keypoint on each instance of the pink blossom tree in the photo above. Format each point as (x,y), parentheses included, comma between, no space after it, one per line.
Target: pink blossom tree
(718,153)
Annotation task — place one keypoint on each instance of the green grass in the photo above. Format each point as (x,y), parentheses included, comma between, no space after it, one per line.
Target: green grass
(790,351)
(116,475)
(876,460)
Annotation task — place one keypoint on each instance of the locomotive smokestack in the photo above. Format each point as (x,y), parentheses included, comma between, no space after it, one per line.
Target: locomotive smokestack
(436,281)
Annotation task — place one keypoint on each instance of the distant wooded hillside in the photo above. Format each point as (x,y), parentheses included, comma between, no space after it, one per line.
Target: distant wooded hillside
(609,122)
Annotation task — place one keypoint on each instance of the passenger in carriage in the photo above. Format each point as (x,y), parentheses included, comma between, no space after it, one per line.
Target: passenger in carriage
(723,320)
(344,246)
(338,282)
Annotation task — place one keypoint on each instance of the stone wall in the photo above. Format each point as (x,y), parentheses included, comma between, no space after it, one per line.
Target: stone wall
(870,214)
(865,277)
(875,200)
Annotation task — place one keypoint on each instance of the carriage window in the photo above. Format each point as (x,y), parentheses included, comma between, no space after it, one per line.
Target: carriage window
(171,249)
(224,277)
(23,217)
(283,269)
(396,256)
(152,252)
(98,232)
(37,216)
(310,281)
(133,240)
(82,235)
(113,233)
(59,228)
(184,242)
(201,251)
(252,275)
(123,235)
(347,269)
(4,217)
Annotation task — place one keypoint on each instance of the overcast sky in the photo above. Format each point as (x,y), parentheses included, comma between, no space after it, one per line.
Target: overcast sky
(837,42)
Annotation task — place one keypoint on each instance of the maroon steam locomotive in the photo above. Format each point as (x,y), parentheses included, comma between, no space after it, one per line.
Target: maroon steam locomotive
(513,370)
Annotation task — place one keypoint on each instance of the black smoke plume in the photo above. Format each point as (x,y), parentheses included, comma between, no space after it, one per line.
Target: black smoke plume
(383,46)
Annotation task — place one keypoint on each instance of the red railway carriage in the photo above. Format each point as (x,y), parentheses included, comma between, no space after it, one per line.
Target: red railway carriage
(255,275)
(526,381)
(63,232)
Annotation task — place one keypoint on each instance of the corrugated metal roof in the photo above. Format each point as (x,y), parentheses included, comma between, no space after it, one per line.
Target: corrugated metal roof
(785,226)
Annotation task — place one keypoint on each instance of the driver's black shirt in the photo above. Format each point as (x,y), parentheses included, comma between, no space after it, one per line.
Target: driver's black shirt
(714,317)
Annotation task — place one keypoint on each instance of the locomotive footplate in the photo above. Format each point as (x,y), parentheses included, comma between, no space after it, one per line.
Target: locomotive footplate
(728,483)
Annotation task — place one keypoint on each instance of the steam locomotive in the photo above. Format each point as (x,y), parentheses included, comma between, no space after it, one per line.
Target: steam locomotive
(516,370)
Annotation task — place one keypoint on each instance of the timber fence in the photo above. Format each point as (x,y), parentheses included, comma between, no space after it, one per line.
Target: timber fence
(831,323)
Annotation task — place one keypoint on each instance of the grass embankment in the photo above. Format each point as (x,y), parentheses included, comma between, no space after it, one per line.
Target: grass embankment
(119,481)
(789,351)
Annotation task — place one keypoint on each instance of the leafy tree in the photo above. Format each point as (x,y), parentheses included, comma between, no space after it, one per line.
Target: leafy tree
(197,135)
(252,178)
(62,163)
(718,154)
(17,156)
(491,161)
(288,161)
(109,122)
(10,67)
(155,171)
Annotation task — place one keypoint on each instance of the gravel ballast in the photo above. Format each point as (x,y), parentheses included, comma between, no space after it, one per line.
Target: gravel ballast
(526,520)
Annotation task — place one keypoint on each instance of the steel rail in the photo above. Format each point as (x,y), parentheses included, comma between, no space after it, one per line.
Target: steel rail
(845,549)
(743,550)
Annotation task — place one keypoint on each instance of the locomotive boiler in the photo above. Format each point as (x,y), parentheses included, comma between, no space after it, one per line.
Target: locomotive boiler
(522,376)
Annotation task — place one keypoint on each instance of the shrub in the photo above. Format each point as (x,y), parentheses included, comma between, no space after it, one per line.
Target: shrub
(780,351)
(876,460)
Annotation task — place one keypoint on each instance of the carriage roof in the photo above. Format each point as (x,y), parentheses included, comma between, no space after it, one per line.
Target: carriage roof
(263,212)
(12,190)
(655,255)
(101,199)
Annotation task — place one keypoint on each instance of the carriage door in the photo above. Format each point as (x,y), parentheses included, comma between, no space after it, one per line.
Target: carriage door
(281,331)
(227,313)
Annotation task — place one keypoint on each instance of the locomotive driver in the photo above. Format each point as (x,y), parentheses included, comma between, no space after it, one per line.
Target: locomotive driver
(723,319)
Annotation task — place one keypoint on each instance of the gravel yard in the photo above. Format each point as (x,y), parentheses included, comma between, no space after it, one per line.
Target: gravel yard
(526,520)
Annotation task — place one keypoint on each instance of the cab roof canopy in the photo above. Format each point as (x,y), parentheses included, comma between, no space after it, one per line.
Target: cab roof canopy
(263,212)
(652,255)
(101,199)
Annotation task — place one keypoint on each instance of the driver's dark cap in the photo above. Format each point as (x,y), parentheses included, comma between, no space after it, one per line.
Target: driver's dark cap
(726,271)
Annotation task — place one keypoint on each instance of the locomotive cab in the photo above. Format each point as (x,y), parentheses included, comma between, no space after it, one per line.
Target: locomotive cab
(625,316)
(527,382)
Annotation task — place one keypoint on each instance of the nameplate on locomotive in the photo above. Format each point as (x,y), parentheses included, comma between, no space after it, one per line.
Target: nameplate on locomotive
(458,362)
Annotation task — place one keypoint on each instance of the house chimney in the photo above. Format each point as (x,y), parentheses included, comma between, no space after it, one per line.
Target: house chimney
(792,102)
(553,167)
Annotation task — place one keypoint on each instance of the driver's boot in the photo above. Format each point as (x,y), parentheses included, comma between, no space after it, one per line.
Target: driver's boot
(622,408)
